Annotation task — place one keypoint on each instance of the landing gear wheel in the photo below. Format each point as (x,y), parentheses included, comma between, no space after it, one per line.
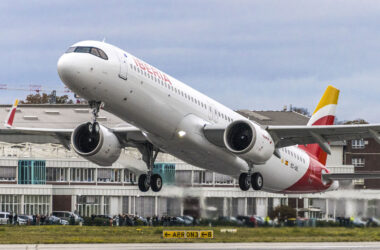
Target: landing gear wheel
(257,181)
(93,127)
(156,182)
(244,181)
(149,155)
(144,183)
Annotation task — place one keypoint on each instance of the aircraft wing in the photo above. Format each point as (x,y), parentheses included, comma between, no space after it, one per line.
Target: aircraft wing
(126,135)
(285,136)
(352,176)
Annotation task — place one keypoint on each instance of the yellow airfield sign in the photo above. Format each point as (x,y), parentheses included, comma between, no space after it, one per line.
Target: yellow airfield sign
(203,234)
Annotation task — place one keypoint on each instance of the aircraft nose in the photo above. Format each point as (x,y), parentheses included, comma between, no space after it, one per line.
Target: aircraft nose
(65,69)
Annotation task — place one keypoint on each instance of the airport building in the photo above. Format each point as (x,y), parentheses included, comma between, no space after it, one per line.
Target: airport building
(41,178)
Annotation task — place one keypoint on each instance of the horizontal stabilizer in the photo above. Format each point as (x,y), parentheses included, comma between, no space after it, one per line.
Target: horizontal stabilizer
(351,176)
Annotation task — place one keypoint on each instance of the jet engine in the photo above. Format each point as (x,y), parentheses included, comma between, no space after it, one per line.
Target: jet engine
(249,141)
(100,146)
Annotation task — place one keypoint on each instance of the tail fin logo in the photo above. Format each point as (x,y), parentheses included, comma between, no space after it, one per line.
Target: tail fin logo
(324,114)
(11,115)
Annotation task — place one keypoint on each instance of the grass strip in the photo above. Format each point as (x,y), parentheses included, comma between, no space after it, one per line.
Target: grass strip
(76,234)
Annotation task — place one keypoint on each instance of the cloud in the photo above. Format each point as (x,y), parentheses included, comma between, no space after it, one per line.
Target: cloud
(246,54)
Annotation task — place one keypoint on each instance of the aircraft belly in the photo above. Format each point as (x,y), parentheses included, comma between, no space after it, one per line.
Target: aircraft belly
(144,108)
(200,153)
(278,176)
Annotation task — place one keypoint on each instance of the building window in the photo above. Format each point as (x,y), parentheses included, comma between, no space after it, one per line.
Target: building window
(357,144)
(129,177)
(7,173)
(10,203)
(37,204)
(359,182)
(358,162)
(223,179)
(57,174)
(89,205)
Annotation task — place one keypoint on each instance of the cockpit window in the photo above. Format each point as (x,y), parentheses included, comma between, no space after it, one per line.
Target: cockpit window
(102,54)
(71,49)
(82,50)
(95,52)
(91,50)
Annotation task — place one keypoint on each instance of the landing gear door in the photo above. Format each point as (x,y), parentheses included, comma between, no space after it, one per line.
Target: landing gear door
(123,66)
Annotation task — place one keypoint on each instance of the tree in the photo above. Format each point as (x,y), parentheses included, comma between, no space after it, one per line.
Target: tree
(301,110)
(283,213)
(356,121)
(45,98)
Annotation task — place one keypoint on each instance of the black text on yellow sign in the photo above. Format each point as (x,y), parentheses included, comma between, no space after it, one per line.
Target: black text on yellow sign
(204,234)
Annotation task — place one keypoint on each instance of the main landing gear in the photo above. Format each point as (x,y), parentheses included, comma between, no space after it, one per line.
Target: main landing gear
(246,180)
(149,180)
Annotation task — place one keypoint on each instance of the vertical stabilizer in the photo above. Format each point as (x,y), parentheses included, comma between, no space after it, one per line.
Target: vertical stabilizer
(11,115)
(324,114)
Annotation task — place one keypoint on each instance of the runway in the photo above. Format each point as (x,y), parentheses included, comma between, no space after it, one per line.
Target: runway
(186,246)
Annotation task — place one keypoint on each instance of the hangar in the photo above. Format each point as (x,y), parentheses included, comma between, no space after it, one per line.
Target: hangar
(41,178)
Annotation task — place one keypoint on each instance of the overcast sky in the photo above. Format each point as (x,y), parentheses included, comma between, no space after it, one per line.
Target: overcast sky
(258,55)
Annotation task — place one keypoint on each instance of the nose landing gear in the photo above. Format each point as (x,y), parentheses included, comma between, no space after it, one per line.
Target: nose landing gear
(93,126)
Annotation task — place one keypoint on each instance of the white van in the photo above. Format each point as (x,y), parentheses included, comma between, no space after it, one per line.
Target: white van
(66,215)
(4,217)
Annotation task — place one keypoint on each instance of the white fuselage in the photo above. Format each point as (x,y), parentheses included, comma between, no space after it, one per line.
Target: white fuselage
(161,106)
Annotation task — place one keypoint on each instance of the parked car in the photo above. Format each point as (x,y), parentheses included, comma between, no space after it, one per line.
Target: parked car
(54,220)
(359,222)
(4,217)
(23,219)
(373,222)
(188,220)
(230,219)
(177,221)
(142,220)
(66,215)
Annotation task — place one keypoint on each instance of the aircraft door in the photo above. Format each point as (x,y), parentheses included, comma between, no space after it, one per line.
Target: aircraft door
(210,112)
(123,67)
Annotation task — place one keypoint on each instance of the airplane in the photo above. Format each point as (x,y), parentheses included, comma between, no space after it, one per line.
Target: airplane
(166,115)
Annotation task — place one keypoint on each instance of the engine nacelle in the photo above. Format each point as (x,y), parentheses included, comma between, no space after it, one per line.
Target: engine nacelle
(249,141)
(102,147)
